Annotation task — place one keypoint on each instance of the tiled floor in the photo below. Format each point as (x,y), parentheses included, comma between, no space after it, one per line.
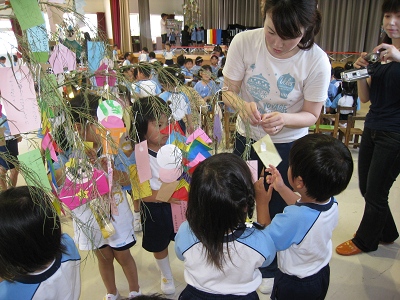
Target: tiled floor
(374,275)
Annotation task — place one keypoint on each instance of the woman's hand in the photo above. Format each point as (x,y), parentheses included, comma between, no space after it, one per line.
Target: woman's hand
(249,113)
(361,62)
(388,52)
(272,123)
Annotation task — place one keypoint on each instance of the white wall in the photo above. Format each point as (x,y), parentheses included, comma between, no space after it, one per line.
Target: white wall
(94,6)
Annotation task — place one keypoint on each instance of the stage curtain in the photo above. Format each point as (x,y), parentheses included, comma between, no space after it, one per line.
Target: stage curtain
(144,19)
(126,40)
(101,24)
(116,23)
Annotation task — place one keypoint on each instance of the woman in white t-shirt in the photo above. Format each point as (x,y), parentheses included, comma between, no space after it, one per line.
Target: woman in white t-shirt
(277,78)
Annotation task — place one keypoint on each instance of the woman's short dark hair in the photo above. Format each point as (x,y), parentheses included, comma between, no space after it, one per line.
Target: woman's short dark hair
(30,232)
(289,16)
(221,195)
(324,163)
(145,110)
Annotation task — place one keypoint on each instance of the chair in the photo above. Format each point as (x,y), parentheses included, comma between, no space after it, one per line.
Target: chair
(347,111)
(332,127)
(351,131)
(229,127)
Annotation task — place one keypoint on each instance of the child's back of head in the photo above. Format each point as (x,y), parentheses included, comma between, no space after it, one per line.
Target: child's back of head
(324,163)
(171,77)
(30,232)
(221,196)
(337,71)
(144,69)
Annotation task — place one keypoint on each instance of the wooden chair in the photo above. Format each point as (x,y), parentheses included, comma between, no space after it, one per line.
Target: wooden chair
(351,131)
(229,127)
(348,110)
(332,127)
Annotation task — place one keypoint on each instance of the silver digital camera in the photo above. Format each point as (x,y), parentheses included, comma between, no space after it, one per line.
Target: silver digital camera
(357,74)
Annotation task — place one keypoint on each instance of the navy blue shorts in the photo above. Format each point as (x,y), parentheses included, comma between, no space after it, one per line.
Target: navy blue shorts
(11,148)
(158,229)
(191,293)
(164,38)
(314,287)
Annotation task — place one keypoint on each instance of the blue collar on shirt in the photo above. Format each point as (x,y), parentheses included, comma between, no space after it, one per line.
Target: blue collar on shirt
(318,207)
(34,279)
(235,235)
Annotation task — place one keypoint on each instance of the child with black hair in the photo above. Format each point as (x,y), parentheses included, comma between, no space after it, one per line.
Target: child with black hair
(171,79)
(168,54)
(145,87)
(37,260)
(206,87)
(186,68)
(87,232)
(221,252)
(150,116)
(152,57)
(320,167)
(214,64)
(127,59)
(198,64)
(348,98)
(144,55)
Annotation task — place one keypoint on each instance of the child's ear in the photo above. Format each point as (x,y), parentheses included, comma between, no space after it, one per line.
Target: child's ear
(298,182)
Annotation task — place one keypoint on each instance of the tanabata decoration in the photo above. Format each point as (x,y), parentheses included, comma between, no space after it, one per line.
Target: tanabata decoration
(17,88)
(105,75)
(82,184)
(62,59)
(266,151)
(139,190)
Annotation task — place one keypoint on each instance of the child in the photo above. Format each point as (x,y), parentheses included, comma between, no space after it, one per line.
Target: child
(193,36)
(144,55)
(145,87)
(127,59)
(152,57)
(206,87)
(186,69)
(221,253)
(115,53)
(37,261)
(320,167)
(151,116)
(214,64)
(87,232)
(198,64)
(171,79)
(168,54)
(172,36)
(349,98)
(335,86)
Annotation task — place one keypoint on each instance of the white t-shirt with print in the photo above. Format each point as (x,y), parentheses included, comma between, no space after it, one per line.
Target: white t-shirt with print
(276,84)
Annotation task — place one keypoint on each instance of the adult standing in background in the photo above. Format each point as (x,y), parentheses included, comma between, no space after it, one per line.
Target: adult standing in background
(282,78)
(185,35)
(379,157)
(163,24)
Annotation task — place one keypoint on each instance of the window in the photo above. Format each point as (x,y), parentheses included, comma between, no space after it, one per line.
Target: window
(155,25)
(134,24)
(8,42)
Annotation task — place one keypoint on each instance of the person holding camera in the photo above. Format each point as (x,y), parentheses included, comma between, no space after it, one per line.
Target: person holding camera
(379,157)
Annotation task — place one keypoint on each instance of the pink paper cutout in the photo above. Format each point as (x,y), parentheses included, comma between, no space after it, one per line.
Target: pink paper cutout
(17,87)
(62,58)
(101,78)
(198,133)
(169,175)
(74,194)
(198,159)
(47,143)
(112,122)
(143,162)
(253,166)
(178,214)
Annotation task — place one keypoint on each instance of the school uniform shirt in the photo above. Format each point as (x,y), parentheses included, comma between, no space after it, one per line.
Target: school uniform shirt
(249,248)
(143,57)
(276,84)
(60,281)
(126,63)
(302,236)
(206,90)
(146,88)
(180,105)
(168,54)
(186,72)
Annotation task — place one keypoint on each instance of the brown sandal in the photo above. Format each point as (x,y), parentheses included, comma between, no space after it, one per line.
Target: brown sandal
(348,248)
